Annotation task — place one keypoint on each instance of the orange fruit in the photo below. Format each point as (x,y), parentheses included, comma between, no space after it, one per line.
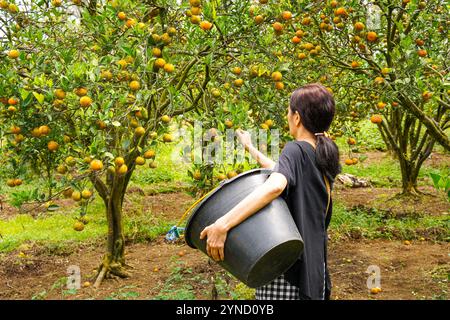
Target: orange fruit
(302,55)
(229,124)
(376,118)
(140,161)
(236,70)
(381,105)
(78,226)
(296,40)
(306,21)
(13,101)
(259,19)
(287,15)
(195,3)
(355,64)
(196,19)
(80,91)
(52,146)
(60,94)
(134,85)
(206,25)
(420,42)
(196,11)
(160,63)
(86,194)
(153,165)
(17,182)
(76,195)
(277,26)
(149,154)
(119,161)
(238,82)
(359,26)
(231,174)
(375,290)
(355,160)
(10,183)
(157,52)
(372,36)
(85,101)
(96,165)
(44,130)
(13,54)
(122,15)
(348,162)
(379,80)
(351,141)
(139,131)
(165,119)
(61,169)
(277,76)
(15,130)
(197,175)
(123,169)
(167,137)
(426,95)
(279,85)
(341,12)
(422,53)
(130,23)
(169,68)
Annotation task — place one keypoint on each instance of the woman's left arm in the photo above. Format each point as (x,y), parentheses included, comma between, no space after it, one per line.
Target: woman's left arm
(217,232)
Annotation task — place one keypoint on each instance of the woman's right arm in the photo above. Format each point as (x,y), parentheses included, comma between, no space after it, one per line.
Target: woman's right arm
(246,140)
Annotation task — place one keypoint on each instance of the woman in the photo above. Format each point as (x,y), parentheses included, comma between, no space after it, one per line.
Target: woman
(300,176)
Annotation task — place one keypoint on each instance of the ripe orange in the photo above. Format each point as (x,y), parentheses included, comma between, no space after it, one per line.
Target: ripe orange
(341,12)
(139,131)
(76,195)
(85,101)
(13,101)
(422,53)
(238,82)
(299,33)
(355,160)
(206,25)
(229,124)
(140,161)
(86,194)
(376,118)
(287,15)
(61,169)
(78,226)
(96,165)
(355,64)
(379,80)
(44,130)
(123,169)
(160,63)
(420,42)
(13,54)
(277,26)
(52,146)
(279,85)
(80,91)
(149,154)
(221,177)
(119,161)
(348,162)
(372,36)
(236,70)
(157,52)
(122,15)
(167,137)
(381,105)
(426,95)
(195,3)
(351,141)
(135,85)
(306,21)
(130,23)
(302,55)
(165,118)
(196,11)
(259,19)
(169,68)
(10,183)
(375,290)
(296,40)
(277,76)
(359,26)
(17,182)
(231,174)
(60,94)
(153,165)
(15,130)
(334,4)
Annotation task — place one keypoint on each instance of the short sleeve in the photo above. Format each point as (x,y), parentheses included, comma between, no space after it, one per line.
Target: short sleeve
(287,164)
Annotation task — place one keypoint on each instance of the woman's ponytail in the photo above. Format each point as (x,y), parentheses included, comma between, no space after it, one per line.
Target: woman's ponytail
(316,106)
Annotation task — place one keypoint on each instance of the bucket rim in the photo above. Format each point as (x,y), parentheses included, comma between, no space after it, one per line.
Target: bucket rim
(214,191)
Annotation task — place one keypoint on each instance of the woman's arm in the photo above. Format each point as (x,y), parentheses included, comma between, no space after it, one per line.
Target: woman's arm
(246,140)
(259,198)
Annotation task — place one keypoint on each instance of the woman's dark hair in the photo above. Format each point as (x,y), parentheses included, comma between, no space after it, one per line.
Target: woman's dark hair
(316,107)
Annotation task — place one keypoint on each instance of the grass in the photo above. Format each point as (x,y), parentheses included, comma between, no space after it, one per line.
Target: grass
(376,224)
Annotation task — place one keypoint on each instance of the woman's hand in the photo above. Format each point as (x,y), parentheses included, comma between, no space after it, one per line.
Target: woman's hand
(216,234)
(244,137)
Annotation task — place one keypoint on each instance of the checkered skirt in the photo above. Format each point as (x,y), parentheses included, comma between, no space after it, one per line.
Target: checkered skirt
(278,289)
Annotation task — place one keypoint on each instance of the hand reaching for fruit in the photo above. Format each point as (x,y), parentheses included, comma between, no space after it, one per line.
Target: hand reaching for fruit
(244,138)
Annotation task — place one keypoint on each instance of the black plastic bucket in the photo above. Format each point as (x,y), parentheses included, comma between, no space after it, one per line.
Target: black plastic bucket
(259,249)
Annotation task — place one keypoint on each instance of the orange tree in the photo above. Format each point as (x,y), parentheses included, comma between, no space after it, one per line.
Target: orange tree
(89,88)
(387,60)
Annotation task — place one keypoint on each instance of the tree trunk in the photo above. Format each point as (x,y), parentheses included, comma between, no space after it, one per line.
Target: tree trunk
(409,177)
(113,263)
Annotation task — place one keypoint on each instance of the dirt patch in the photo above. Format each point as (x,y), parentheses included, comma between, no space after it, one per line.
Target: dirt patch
(416,271)
(383,199)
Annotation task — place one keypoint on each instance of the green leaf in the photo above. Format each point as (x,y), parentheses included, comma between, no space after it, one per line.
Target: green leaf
(39,97)
(435,177)
(53,207)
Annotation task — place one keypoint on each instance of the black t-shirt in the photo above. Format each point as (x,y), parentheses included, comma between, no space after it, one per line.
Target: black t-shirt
(306,196)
